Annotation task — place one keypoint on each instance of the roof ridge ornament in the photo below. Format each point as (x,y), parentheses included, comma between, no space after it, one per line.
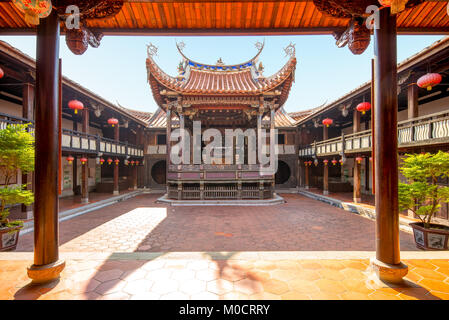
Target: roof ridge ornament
(290,50)
(151,50)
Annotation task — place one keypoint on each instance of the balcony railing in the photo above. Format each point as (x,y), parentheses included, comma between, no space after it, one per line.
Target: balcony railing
(426,130)
(75,141)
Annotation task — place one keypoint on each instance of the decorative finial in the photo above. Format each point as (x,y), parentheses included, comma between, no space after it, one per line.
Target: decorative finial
(151,50)
(261,67)
(220,62)
(290,50)
(258,45)
(181,67)
(181,45)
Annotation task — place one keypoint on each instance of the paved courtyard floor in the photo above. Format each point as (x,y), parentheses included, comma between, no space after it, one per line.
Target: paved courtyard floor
(139,224)
(301,250)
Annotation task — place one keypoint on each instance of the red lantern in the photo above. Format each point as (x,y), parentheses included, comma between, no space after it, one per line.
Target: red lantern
(76,105)
(371,159)
(429,80)
(341,161)
(310,163)
(325,161)
(306,163)
(327,122)
(334,162)
(109,161)
(117,161)
(132,162)
(83,160)
(359,159)
(112,121)
(364,107)
(2,73)
(70,159)
(137,162)
(101,161)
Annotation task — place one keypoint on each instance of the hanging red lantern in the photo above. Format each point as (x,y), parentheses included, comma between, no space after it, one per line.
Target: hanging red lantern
(363,107)
(327,122)
(112,121)
(429,80)
(306,163)
(2,73)
(83,160)
(101,161)
(310,163)
(325,161)
(137,162)
(70,159)
(132,162)
(334,162)
(34,9)
(109,161)
(76,105)
(341,161)
(359,159)
(117,161)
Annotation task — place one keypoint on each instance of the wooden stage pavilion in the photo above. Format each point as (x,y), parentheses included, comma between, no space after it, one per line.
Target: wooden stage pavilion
(342,18)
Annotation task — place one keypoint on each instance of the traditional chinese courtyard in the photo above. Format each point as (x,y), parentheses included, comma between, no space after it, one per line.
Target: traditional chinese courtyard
(303,249)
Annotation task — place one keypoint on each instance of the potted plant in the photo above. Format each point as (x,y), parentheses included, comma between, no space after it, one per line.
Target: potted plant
(423,195)
(16,157)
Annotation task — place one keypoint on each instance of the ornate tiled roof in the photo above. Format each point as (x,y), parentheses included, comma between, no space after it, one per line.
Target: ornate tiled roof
(241,79)
(141,115)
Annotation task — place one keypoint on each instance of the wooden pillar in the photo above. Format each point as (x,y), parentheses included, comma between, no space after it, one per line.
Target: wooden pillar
(357,195)
(412,100)
(387,264)
(325,133)
(273,141)
(116,166)
(85,167)
(367,165)
(47,265)
(307,177)
(27,113)
(325,179)
(356,122)
(168,144)
(135,176)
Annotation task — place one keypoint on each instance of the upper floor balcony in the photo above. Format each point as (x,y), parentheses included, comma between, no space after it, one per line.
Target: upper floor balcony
(79,142)
(422,131)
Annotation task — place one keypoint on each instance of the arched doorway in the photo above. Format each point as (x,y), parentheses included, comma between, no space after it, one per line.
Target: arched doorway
(158,172)
(283,173)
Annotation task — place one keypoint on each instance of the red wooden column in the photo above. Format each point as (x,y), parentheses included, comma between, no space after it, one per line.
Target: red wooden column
(27,113)
(325,167)
(116,166)
(307,177)
(387,263)
(85,167)
(168,144)
(47,265)
(357,184)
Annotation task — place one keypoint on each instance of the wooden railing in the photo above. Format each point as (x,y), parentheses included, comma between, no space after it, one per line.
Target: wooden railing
(426,130)
(76,141)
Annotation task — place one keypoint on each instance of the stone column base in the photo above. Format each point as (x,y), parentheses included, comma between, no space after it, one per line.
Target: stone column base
(84,200)
(307,188)
(325,192)
(357,200)
(389,272)
(47,272)
(135,187)
(115,192)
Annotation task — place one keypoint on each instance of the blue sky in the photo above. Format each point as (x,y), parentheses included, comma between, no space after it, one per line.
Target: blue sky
(116,70)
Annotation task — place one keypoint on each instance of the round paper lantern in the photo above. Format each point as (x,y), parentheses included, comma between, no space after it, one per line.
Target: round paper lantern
(137,162)
(363,107)
(334,162)
(327,122)
(83,160)
(310,163)
(341,161)
(34,9)
(306,163)
(109,161)
(70,159)
(101,161)
(2,73)
(112,121)
(76,105)
(117,161)
(429,80)
(359,159)
(325,161)
(132,162)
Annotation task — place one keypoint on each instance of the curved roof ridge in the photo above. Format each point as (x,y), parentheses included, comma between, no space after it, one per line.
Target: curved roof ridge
(260,46)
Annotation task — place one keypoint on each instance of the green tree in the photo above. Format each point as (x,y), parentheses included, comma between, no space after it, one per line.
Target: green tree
(422,194)
(16,155)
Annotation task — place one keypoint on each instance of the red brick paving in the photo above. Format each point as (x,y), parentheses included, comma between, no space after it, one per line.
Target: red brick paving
(139,224)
